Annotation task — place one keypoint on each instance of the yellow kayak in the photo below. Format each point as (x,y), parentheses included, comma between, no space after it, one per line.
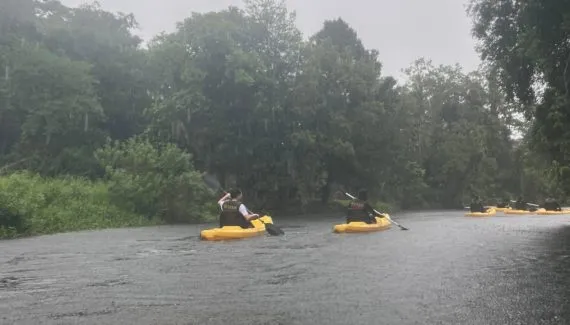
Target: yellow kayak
(352,227)
(236,232)
(490,212)
(550,212)
(520,212)
(497,209)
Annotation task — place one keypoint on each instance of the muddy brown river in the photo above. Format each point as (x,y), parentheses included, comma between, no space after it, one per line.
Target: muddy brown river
(447,269)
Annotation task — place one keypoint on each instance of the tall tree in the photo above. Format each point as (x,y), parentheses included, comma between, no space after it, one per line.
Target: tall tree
(459,139)
(55,101)
(526,41)
(336,101)
(105,40)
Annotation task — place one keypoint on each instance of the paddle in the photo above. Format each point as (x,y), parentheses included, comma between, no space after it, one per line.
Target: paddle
(385,215)
(271,229)
(213,184)
(533,206)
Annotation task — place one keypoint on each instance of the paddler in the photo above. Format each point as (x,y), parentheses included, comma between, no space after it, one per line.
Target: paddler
(360,210)
(477,205)
(505,203)
(520,204)
(234,212)
(551,205)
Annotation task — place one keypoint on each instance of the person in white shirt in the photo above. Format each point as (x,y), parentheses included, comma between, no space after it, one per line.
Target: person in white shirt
(234,212)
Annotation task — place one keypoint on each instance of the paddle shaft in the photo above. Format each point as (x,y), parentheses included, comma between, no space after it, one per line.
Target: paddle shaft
(531,204)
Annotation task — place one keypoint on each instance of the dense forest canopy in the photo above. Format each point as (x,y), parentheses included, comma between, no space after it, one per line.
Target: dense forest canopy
(242,94)
(526,43)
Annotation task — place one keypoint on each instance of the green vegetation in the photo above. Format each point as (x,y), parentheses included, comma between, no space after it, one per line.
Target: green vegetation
(526,44)
(98,131)
(152,181)
(33,205)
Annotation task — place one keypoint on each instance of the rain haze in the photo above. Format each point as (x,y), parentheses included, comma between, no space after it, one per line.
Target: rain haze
(218,177)
(401,31)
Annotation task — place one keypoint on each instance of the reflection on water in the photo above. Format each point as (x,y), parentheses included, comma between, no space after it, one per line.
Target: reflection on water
(447,269)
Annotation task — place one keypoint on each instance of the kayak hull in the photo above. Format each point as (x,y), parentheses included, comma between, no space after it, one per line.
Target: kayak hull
(360,227)
(544,212)
(490,212)
(236,232)
(519,212)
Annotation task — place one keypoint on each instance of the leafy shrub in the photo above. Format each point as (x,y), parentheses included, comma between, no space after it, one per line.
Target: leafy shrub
(155,180)
(32,205)
(11,223)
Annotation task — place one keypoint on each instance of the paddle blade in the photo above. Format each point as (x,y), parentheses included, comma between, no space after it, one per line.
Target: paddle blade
(399,225)
(273,230)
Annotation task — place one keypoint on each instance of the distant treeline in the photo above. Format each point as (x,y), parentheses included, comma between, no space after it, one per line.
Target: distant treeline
(239,93)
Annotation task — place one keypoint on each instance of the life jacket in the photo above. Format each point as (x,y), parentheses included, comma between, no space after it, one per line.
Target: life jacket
(231,216)
(357,211)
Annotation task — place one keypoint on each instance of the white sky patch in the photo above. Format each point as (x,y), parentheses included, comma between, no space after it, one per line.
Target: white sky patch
(401,30)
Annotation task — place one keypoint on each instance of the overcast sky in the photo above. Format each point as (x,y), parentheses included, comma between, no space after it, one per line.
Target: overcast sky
(401,30)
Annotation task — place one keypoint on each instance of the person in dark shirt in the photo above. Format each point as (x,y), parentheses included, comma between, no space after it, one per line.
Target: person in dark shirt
(552,205)
(505,203)
(520,204)
(360,210)
(477,205)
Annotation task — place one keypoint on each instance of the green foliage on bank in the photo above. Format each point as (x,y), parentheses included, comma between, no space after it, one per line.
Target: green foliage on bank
(143,185)
(34,205)
(240,93)
(155,181)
